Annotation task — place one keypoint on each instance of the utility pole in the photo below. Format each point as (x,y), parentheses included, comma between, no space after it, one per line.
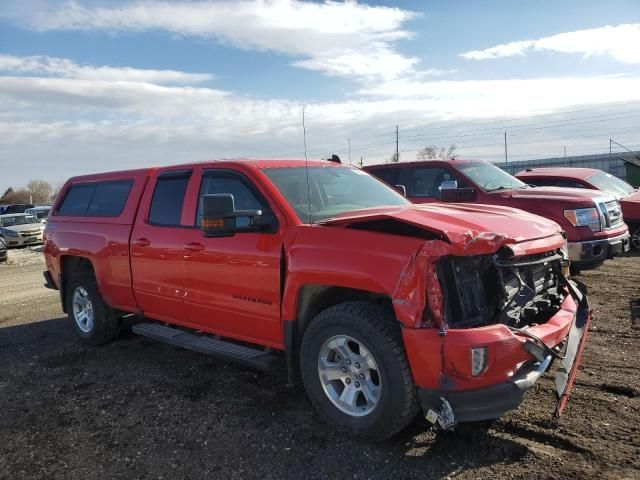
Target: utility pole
(610,141)
(506,158)
(349,143)
(360,162)
(397,143)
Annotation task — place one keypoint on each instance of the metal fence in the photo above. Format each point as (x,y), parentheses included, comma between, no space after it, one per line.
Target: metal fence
(614,164)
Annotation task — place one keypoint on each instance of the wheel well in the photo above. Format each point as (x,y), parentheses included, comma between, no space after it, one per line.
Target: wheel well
(70,264)
(312,299)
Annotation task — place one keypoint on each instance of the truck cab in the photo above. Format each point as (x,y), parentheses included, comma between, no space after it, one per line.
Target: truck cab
(592,220)
(378,306)
(592,178)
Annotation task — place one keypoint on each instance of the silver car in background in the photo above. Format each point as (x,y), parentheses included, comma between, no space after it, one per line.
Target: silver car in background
(40,212)
(3,250)
(20,229)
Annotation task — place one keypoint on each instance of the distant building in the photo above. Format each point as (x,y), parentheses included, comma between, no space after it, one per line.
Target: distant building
(625,165)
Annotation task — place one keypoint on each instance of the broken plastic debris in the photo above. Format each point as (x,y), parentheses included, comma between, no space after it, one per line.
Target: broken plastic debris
(444,418)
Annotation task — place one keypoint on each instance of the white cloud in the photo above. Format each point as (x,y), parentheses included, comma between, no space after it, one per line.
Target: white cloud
(63,67)
(379,62)
(619,42)
(492,98)
(338,38)
(224,112)
(60,118)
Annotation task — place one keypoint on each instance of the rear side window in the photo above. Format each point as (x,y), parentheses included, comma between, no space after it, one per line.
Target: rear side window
(168,197)
(100,199)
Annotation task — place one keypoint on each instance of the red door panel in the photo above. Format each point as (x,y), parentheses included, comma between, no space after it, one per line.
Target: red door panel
(157,247)
(158,272)
(233,285)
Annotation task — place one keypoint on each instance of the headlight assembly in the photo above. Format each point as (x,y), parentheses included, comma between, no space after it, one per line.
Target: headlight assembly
(584,217)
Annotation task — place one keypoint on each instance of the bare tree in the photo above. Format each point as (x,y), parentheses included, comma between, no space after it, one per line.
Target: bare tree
(432,152)
(40,190)
(56,191)
(7,193)
(17,196)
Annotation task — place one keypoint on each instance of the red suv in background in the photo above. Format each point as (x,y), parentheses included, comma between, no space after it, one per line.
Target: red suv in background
(628,196)
(592,220)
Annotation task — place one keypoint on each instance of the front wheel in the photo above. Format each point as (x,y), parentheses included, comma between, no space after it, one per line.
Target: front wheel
(635,237)
(355,370)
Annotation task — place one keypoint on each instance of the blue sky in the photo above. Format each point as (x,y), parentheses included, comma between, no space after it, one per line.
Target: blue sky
(88,86)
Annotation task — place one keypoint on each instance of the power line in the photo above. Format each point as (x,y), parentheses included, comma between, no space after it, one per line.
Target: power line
(483,132)
(535,126)
(542,115)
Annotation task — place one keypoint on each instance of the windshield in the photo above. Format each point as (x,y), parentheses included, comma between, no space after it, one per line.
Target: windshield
(610,184)
(332,191)
(20,220)
(41,213)
(489,177)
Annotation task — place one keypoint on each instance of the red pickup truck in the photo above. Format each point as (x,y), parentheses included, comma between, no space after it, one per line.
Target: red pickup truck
(628,196)
(592,220)
(379,306)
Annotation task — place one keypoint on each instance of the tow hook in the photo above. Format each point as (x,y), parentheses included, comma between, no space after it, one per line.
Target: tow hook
(443,417)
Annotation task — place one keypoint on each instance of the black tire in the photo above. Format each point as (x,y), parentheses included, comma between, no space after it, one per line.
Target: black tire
(105,325)
(635,236)
(377,329)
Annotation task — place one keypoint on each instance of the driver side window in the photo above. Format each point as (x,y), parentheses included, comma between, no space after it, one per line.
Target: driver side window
(426,182)
(245,197)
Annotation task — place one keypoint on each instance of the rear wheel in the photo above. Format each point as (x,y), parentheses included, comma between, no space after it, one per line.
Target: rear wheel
(355,370)
(91,318)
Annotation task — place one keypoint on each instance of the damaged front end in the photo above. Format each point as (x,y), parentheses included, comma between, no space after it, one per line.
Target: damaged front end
(488,289)
(504,320)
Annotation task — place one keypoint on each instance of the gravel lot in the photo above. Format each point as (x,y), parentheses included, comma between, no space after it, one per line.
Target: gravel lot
(140,409)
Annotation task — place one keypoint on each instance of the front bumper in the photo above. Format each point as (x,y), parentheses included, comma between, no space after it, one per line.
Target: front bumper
(596,251)
(491,401)
(487,403)
(21,241)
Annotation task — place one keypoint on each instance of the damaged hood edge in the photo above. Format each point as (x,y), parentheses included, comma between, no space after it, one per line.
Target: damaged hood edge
(469,228)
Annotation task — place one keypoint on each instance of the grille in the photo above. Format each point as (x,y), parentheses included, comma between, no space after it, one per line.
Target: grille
(612,214)
(485,289)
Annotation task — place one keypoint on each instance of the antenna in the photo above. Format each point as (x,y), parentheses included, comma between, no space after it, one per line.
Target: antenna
(304,136)
(306,164)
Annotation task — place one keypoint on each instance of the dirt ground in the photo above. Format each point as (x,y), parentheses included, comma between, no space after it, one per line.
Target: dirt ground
(141,409)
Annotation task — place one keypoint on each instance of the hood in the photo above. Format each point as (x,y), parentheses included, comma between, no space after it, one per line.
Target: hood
(566,195)
(26,228)
(631,206)
(632,197)
(460,224)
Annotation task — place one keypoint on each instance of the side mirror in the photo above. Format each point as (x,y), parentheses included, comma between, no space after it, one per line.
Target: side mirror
(449,192)
(401,189)
(219,216)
